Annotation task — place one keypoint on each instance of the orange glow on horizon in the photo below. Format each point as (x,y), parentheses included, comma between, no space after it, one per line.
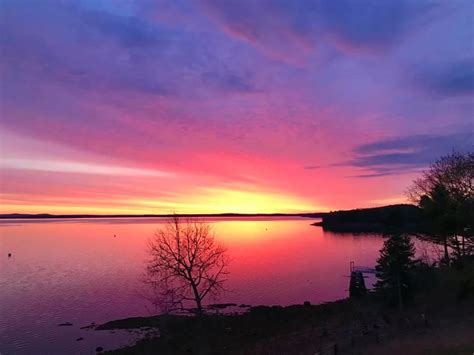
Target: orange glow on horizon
(206,201)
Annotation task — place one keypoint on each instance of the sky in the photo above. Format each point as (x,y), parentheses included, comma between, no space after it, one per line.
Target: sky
(228,106)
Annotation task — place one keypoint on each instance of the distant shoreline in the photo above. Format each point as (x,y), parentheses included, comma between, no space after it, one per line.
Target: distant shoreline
(78,216)
(373,220)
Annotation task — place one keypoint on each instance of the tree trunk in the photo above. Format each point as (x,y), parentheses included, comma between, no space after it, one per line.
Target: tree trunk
(199,306)
(458,247)
(197,298)
(446,255)
(400,299)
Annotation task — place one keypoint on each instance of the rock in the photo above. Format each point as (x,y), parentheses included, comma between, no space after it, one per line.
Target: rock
(79,339)
(66,324)
(90,326)
(221,305)
(99,349)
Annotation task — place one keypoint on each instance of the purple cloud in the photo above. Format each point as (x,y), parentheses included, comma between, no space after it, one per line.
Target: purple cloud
(449,80)
(283,82)
(405,154)
(350,24)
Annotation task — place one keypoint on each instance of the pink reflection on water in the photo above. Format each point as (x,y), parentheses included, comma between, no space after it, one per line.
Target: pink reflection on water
(288,262)
(85,271)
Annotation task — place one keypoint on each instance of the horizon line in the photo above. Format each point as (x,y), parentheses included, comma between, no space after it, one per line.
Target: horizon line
(145,215)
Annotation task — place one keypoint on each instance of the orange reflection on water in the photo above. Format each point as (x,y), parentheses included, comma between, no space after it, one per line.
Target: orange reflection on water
(86,271)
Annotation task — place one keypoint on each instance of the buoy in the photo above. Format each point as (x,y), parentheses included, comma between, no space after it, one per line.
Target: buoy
(9,255)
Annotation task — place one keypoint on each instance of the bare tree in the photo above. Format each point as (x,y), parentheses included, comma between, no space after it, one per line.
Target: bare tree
(454,172)
(445,192)
(186,264)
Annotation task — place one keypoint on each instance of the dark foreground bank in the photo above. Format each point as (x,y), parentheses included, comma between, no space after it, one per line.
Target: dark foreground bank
(439,321)
(336,328)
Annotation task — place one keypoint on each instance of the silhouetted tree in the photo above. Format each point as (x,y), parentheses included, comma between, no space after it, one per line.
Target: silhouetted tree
(186,264)
(446,195)
(393,268)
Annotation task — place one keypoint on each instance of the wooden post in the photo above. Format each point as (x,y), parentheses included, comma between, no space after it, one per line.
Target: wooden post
(357,286)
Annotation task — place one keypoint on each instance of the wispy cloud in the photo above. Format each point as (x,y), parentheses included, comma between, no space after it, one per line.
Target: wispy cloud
(406,154)
(349,24)
(78,168)
(448,80)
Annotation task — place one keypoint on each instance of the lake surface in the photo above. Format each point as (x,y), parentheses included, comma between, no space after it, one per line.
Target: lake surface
(88,270)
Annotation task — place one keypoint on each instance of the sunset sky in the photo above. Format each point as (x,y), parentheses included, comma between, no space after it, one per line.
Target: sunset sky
(228,106)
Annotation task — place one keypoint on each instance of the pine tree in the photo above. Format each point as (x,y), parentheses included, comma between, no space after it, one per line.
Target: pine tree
(393,269)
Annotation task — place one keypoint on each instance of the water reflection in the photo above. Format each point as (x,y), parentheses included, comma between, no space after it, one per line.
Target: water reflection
(77,271)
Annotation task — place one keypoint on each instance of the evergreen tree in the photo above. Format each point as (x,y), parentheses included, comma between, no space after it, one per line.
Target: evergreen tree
(393,269)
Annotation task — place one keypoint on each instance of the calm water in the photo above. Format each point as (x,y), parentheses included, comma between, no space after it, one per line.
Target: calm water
(77,271)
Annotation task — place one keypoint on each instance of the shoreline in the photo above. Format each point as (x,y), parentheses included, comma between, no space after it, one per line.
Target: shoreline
(441,314)
(346,325)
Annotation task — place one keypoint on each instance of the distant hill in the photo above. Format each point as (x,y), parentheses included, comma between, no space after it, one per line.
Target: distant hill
(375,219)
(47,215)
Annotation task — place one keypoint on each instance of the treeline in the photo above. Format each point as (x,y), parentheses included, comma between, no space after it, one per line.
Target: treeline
(405,216)
(445,196)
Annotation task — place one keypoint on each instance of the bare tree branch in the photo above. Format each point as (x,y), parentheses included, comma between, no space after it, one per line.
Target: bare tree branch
(186,264)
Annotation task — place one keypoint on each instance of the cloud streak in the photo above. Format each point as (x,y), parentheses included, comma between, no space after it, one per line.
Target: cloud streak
(449,80)
(407,154)
(350,25)
(79,168)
